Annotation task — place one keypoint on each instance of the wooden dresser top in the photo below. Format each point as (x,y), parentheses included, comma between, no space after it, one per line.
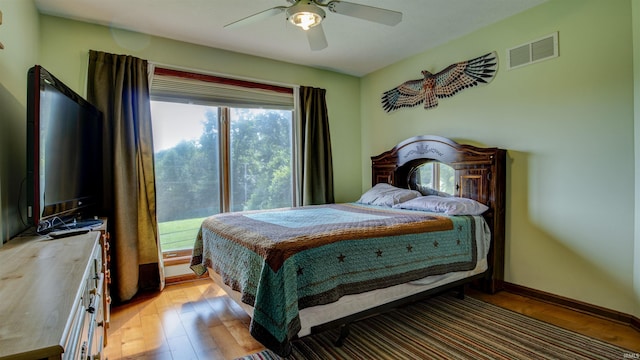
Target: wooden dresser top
(40,283)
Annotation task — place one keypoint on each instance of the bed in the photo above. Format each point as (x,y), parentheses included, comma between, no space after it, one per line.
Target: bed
(302,270)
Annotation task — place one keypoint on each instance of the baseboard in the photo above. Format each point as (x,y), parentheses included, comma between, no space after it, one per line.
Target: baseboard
(635,323)
(574,304)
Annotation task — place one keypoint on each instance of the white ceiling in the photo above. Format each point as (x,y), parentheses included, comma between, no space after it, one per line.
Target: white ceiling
(356,47)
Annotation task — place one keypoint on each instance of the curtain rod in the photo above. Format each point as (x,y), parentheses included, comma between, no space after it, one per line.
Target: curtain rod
(212,73)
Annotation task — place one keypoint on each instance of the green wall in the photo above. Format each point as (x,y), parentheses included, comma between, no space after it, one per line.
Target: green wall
(568,126)
(19,35)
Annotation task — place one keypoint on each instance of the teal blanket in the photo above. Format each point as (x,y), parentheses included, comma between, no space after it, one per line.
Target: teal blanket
(284,260)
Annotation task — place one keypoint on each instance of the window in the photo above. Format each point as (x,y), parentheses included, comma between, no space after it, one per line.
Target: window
(260,155)
(217,151)
(187,170)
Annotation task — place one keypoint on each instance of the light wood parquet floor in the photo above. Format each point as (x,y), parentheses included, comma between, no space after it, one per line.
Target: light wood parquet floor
(196,320)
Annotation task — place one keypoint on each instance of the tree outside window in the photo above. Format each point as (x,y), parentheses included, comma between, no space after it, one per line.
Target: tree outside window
(192,170)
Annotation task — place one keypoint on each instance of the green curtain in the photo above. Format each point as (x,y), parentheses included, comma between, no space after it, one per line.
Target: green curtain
(118,86)
(316,160)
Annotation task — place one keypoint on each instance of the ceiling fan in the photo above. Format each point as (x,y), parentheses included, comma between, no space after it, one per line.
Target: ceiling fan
(308,14)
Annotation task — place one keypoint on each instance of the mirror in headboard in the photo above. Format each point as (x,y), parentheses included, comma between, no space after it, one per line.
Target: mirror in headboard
(478,172)
(432,178)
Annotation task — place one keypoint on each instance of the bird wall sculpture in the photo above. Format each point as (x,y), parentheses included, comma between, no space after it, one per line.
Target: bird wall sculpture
(445,83)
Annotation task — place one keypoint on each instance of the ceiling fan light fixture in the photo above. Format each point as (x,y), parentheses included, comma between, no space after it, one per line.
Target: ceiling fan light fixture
(306,15)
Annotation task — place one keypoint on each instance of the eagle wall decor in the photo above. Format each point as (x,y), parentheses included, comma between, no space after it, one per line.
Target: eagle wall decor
(445,83)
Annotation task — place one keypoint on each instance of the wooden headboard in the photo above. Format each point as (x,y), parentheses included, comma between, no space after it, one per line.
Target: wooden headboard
(480,175)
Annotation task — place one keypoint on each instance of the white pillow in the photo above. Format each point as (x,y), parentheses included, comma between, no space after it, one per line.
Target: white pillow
(447,205)
(387,195)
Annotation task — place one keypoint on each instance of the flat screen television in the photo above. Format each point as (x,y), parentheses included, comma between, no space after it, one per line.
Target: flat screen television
(64,154)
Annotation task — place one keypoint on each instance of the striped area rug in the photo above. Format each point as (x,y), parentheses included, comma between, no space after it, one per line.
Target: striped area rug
(448,328)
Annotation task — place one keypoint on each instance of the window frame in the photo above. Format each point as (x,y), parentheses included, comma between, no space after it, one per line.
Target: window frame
(183,256)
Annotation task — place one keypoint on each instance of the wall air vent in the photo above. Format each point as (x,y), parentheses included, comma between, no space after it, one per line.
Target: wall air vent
(533,52)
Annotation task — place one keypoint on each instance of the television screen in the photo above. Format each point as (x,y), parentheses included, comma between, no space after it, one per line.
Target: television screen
(64,153)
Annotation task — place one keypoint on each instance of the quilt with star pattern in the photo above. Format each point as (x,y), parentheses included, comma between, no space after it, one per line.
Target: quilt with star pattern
(284,260)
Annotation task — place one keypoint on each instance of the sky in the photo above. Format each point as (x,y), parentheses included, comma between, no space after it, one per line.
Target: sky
(174,122)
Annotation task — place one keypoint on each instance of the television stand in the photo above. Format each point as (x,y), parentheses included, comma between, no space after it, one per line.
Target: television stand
(84,223)
(58,225)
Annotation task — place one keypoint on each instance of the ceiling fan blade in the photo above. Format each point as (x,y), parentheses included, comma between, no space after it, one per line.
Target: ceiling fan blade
(317,40)
(365,12)
(257,17)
